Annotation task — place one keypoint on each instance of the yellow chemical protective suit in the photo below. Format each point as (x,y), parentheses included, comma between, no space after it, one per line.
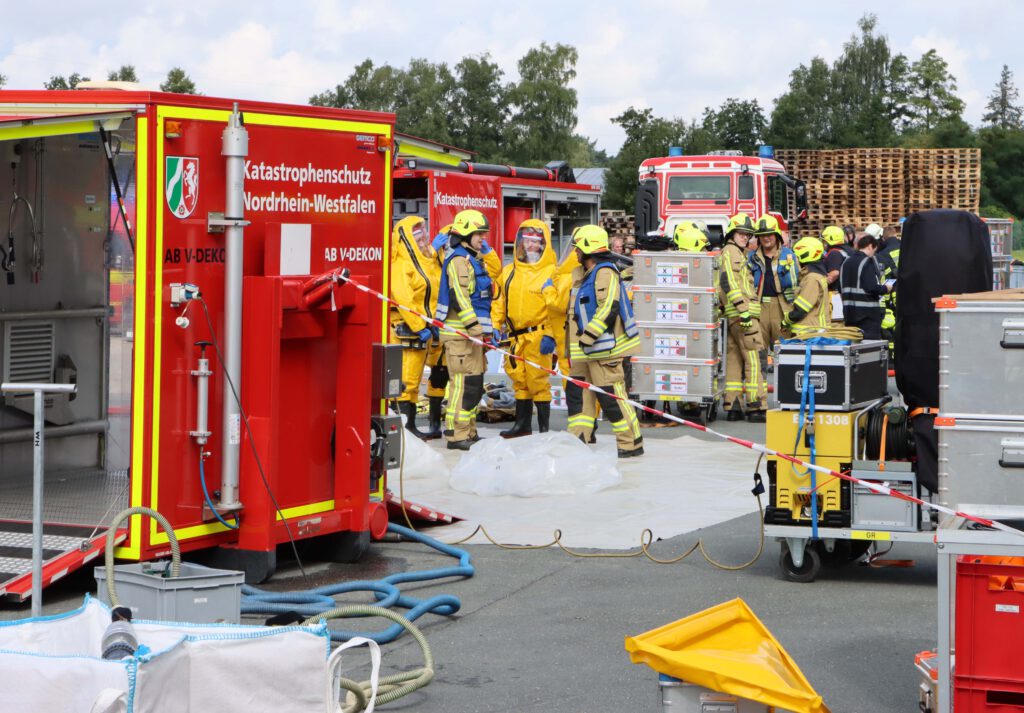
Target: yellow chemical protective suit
(525,311)
(415,274)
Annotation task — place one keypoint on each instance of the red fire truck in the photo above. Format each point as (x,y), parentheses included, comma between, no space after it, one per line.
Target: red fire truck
(505,194)
(713,188)
(244,411)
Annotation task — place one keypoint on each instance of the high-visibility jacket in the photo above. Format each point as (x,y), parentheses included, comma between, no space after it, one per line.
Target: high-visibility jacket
(415,276)
(812,307)
(736,284)
(464,299)
(861,288)
(785,273)
(602,311)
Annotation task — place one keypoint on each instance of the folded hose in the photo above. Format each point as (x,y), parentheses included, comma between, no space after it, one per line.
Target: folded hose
(317,601)
(111,544)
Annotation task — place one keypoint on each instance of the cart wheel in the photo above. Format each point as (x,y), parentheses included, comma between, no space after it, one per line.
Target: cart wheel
(713,412)
(809,569)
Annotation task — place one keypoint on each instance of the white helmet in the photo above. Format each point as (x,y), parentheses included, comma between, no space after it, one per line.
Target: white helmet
(874,230)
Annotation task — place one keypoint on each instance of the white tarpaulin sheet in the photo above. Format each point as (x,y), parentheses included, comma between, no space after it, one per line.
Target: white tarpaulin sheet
(679,485)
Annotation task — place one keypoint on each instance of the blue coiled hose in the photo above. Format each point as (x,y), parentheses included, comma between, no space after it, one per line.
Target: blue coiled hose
(318,600)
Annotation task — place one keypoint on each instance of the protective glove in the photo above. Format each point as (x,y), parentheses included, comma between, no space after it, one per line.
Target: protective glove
(439,241)
(434,332)
(425,335)
(497,336)
(745,321)
(787,323)
(547,345)
(484,247)
(586,340)
(889,320)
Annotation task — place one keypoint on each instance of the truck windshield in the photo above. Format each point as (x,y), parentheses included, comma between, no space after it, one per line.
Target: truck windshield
(690,188)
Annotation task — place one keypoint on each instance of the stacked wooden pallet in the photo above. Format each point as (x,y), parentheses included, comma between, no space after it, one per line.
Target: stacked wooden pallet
(616,222)
(882,185)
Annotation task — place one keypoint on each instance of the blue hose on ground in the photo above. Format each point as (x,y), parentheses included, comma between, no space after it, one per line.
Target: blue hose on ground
(318,600)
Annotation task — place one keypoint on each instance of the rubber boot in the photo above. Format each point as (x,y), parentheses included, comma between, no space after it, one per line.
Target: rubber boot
(408,409)
(434,419)
(522,425)
(543,415)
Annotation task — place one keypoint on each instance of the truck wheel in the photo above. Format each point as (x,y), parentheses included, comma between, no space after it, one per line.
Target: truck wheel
(807,571)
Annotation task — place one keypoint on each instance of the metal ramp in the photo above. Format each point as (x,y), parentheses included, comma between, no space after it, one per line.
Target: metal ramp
(77,507)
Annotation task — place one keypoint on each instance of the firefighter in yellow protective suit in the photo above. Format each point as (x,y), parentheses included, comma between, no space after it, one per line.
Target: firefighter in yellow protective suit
(741,307)
(688,238)
(524,296)
(812,308)
(415,274)
(601,333)
(464,305)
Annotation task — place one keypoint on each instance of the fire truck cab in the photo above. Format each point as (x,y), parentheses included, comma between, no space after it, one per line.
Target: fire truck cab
(712,188)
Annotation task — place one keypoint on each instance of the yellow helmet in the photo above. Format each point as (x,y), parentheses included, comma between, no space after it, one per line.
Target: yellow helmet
(833,235)
(741,222)
(689,239)
(767,225)
(590,239)
(808,249)
(468,222)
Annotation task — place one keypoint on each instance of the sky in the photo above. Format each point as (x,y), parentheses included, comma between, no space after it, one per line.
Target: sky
(676,57)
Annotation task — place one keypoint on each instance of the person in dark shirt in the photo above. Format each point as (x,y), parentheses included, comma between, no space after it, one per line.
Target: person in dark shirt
(861,287)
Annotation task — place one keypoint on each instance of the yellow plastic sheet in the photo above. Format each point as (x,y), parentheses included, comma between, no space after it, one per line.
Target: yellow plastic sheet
(726,648)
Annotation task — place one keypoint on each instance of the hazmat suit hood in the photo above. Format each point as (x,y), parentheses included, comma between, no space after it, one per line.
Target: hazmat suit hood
(547,256)
(403,244)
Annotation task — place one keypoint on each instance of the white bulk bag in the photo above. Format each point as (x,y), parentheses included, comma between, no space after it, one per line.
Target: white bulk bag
(54,663)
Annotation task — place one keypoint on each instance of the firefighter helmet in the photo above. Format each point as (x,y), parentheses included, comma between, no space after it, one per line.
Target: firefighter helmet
(874,230)
(689,239)
(808,249)
(468,222)
(833,235)
(767,224)
(740,222)
(590,239)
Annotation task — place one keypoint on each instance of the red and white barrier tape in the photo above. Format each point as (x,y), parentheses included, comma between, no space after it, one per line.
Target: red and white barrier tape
(341,275)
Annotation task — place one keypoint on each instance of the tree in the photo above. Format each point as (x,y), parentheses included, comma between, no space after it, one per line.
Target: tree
(897,94)
(1002,110)
(646,136)
(933,92)
(368,87)
(126,73)
(423,102)
(543,118)
(483,99)
(585,154)
(736,125)
(178,82)
(1002,154)
(859,80)
(61,82)
(803,117)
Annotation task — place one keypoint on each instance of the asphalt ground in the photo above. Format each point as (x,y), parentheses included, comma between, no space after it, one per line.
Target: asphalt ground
(541,630)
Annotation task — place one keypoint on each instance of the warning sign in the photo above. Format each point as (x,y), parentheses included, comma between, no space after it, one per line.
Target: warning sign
(670,382)
(671,275)
(673,309)
(670,346)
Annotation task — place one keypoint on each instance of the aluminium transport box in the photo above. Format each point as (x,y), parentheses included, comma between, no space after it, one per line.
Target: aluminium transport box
(674,269)
(664,340)
(981,357)
(675,379)
(981,466)
(694,305)
(844,376)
